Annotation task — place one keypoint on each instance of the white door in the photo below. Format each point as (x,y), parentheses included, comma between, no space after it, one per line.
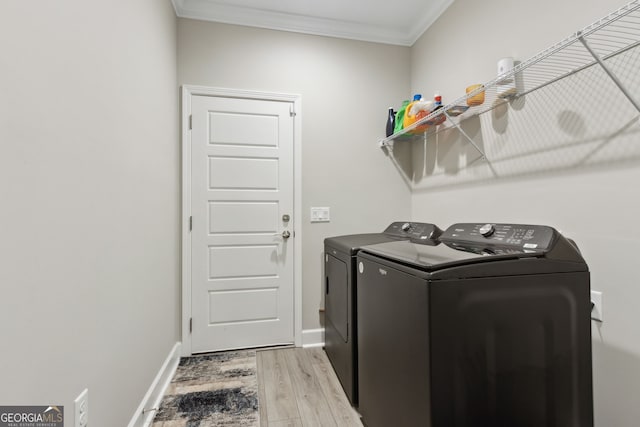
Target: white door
(242,205)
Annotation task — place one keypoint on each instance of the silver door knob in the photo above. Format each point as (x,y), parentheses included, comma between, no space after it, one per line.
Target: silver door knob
(286,234)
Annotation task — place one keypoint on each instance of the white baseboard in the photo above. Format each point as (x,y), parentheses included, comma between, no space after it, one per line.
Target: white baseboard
(313,338)
(144,414)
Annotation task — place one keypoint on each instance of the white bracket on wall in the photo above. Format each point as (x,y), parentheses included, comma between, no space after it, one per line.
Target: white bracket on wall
(607,70)
(457,126)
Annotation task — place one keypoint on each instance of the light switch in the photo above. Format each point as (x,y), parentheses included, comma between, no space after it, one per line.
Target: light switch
(320,214)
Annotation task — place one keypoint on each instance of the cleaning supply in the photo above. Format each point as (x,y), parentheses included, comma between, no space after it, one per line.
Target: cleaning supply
(437,105)
(409,120)
(421,106)
(391,122)
(399,124)
(437,99)
(415,111)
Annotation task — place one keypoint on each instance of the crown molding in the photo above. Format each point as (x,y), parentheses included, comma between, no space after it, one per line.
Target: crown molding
(436,8)
(229,14)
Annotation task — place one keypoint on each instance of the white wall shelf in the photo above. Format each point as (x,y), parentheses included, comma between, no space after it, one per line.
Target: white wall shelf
(613,35)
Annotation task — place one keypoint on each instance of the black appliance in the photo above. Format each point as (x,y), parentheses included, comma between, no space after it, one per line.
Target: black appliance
(340,295)
(489,328)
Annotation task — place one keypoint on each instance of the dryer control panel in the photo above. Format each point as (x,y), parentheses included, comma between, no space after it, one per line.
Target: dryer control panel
(508,237)
(414,230)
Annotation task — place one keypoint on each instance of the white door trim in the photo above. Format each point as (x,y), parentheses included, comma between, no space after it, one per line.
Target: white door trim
(188,91)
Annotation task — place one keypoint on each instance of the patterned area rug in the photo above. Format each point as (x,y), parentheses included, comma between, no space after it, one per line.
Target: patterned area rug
(218,389)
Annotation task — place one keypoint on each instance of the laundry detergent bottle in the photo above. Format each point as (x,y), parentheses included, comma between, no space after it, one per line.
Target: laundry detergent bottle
(399,124)
(417,110)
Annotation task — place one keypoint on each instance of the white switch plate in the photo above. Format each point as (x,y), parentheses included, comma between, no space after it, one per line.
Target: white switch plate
(82,409)
(320,214)
(596,299)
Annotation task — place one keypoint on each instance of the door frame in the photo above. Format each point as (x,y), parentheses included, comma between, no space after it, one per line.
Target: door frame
(187,92)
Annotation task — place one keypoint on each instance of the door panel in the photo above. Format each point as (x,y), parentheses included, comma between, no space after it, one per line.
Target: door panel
(242,185)
(224,129)
(243,173)
(243,261)
(243,305)
(243,217)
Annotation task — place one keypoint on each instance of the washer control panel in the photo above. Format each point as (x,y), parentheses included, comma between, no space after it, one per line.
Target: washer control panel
(420,231)
(511,237)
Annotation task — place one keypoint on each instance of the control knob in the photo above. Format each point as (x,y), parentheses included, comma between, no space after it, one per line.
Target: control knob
(406,226)
(487,230)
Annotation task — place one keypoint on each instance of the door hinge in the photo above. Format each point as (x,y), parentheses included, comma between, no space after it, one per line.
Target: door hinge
(190,121)
(190,324)
(190,223)
(292,111)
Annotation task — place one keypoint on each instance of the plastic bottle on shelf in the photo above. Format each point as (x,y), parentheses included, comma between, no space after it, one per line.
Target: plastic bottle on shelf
(437,105)
(416,110)
(408,120)
(421,106)
(437,101)
(422,109)
(399,123)
(391,122)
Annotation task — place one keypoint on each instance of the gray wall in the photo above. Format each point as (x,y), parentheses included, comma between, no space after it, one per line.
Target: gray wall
(345,86)
(566,156)
(89,187)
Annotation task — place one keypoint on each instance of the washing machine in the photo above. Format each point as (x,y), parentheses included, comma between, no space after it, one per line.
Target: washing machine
(340,294)
(491,327)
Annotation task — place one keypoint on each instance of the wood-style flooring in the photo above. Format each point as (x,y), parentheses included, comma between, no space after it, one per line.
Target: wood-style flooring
(298,387)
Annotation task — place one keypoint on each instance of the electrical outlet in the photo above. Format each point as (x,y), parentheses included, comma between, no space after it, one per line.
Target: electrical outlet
(82,409)
(596,310)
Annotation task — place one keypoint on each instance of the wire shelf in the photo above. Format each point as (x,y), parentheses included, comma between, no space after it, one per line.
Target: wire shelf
(594,45)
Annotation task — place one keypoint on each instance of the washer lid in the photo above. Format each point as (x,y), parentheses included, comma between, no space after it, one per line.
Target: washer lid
(399,230)
(430,258)
(351,243)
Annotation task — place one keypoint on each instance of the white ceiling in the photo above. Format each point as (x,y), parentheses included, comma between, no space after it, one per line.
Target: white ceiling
(399,22)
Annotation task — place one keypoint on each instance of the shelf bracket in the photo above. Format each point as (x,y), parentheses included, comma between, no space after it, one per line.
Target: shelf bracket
(608,71)
(386,143)
(457,125)
(388,146)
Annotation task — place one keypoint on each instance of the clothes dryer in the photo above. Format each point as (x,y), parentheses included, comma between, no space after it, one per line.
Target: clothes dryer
(340,294)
